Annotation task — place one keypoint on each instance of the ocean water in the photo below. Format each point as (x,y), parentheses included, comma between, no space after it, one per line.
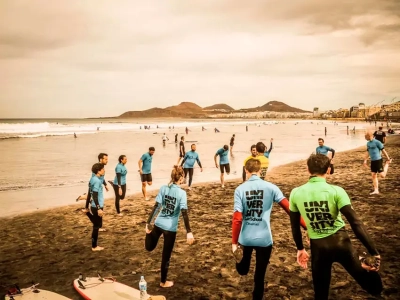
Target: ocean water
(44,166)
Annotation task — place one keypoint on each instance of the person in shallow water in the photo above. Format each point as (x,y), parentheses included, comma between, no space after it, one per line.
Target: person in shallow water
(321,205)
(171,201)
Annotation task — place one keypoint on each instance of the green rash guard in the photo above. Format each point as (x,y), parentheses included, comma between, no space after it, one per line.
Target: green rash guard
(319,204)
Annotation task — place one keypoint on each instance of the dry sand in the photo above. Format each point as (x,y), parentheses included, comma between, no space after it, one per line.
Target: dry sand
(52,247)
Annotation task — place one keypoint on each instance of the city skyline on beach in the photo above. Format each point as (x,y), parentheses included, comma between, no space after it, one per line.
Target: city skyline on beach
(77,60)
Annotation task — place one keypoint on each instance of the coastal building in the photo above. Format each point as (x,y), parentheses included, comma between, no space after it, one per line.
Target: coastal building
(354,111)
(316,112)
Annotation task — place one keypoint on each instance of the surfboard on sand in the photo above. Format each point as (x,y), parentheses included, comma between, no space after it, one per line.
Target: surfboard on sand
(98,288)
(32,293)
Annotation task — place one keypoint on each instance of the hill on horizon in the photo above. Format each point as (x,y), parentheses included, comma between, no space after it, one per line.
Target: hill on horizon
(219,106)
(192,110)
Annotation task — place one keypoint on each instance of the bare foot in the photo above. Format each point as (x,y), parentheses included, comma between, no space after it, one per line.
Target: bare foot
(147,198)
(167,284)
(119,215)
(102,230)
(374,193)
(98,248)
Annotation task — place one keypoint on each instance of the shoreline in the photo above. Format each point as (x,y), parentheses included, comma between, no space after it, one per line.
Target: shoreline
(152,191)
(53,246)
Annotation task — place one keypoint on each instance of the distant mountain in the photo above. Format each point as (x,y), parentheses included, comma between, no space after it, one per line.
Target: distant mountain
(221,106)
(192,110)
(277,107)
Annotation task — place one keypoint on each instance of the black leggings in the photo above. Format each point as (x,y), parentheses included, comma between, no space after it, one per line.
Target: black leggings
(337,248)
(332,169)
(190,171)
(262,260)
(97,224)
(169,241)
(244,174)
(117,196)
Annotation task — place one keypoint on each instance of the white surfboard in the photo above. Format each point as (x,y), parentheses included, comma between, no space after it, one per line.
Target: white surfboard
(32,293)
(93,288)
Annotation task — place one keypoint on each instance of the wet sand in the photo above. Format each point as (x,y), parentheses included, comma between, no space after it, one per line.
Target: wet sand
(52,247)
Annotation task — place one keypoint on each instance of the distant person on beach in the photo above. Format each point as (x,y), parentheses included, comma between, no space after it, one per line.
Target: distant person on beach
(260,147)
(247,128)
(164,139)
(187,130)
(188,164)
(232,142)
(75,135)
(176,138)
(253,151)
(171,201)
(223,163)
(145,170)
(321,205)
(251,229)
(267,152)
(181,149)
(391,131)
(96,191)
(216,130)
(322,149)
(380,135)
(374,149)
(119,182)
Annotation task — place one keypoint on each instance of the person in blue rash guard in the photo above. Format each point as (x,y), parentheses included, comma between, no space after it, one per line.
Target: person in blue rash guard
(223,162)
(97,204)
(188,163)
(267,152)
(322,149)
(251,223)
(171,201)
(374,148)
(119,182)
(145,170)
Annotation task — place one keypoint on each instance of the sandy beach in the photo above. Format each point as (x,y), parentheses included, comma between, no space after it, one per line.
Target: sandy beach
(53,246)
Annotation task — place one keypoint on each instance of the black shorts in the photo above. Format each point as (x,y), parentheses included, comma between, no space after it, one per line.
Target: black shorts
(377,166)
(231,144)
(225,167)
(181,154)
(146,177)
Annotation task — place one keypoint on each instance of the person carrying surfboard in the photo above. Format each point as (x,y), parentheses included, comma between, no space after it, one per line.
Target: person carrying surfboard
(171,201)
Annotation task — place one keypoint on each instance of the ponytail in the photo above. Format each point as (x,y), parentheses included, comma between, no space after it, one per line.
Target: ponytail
(176,174)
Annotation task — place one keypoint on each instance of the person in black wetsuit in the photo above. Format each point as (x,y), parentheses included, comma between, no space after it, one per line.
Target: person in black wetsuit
(232,142)
(171,201)
(181,149)
(321,205)
(176,138)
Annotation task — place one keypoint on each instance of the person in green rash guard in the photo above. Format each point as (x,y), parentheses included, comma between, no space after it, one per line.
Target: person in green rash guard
(321,205)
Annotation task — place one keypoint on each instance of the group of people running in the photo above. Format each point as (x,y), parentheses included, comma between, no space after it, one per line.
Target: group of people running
(315,206)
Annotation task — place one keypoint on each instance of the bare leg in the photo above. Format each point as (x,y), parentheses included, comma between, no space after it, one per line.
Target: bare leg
(385,169)
(375,184)
(144,189)
(222,179)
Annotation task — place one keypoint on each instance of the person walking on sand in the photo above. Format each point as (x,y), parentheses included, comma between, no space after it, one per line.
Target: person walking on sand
(260,147)
(321,205)
(181,149)
(145,170)
(251,228)
(96,191)
(119,182)
(232,142)
(322,149)
(188,164)
(171,201)
(374,149)
(187,130)
(380,135)
(223,163)
(176,138)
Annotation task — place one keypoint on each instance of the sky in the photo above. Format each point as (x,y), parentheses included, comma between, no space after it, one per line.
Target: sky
(98,58)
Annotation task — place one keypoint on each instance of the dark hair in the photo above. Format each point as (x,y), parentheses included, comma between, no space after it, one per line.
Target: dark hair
(380,127)
(321,139)
(260,147)
(176,174)
(121,157)
(101,155)
(226,147)
(97,167)
(182,137)
(152,149)
(318,164)
(252,146)
(253,165)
